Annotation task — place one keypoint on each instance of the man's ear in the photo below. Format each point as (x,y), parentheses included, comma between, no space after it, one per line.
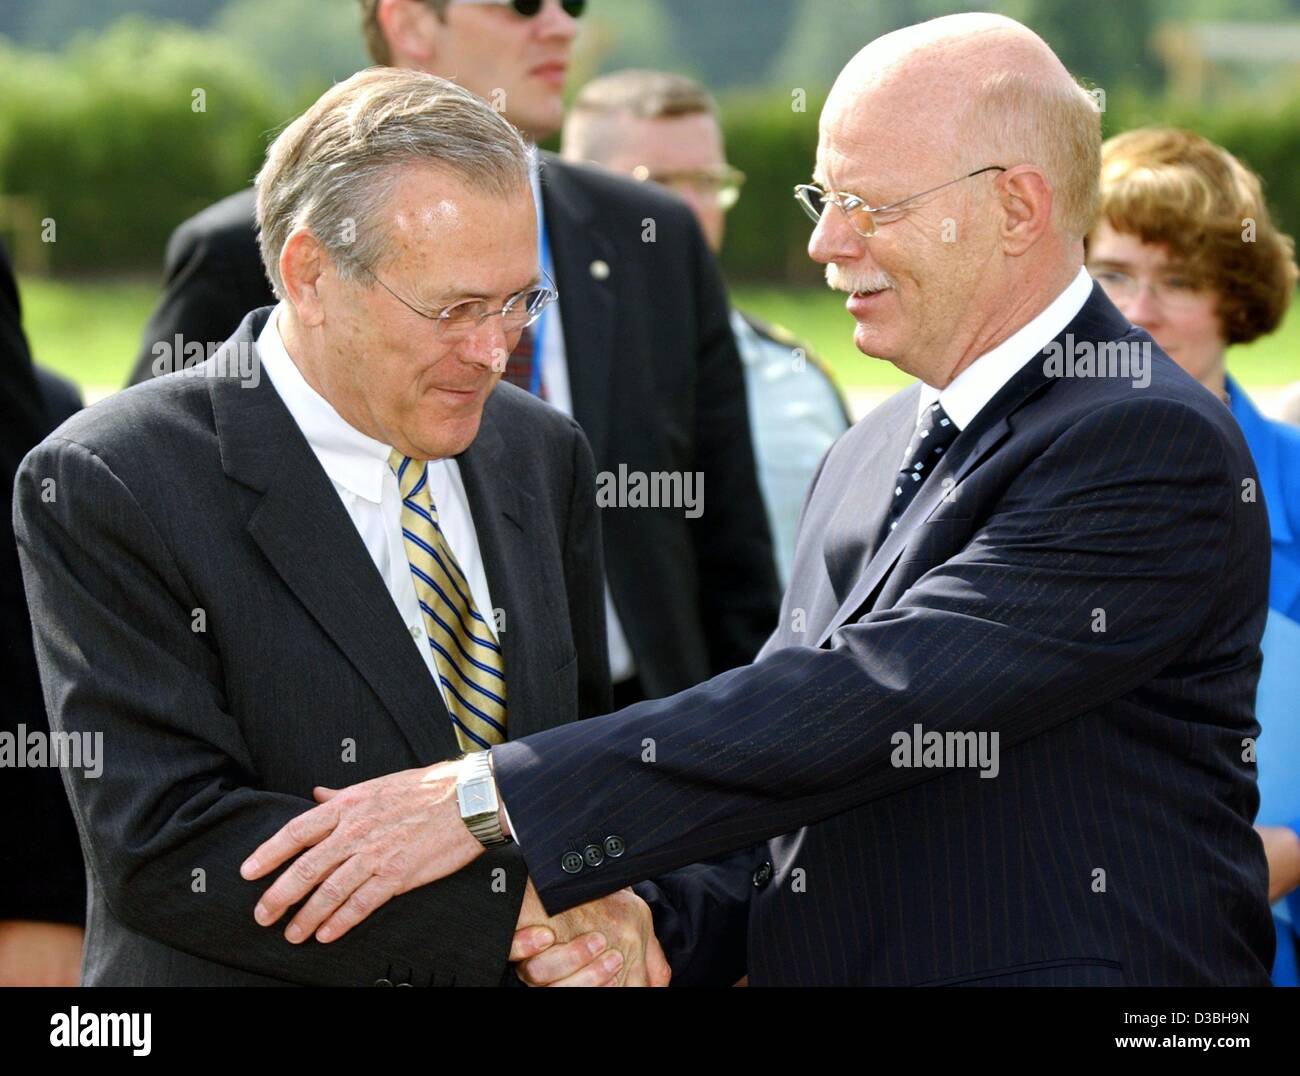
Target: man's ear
(302,264)
(1026,200)
(410,28)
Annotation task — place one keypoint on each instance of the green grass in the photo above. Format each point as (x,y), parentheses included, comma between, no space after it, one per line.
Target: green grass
(90,332)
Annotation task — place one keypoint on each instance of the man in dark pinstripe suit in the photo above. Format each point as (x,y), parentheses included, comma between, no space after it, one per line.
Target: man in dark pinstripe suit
(1004,732)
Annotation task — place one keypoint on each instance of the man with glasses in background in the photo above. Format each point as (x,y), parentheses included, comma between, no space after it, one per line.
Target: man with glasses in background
(663,128)
(638,349)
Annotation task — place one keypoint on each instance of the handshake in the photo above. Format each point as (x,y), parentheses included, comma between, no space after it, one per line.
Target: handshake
(607,942)
(365,844)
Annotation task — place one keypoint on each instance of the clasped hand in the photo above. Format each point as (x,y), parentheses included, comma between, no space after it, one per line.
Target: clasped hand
(365,844)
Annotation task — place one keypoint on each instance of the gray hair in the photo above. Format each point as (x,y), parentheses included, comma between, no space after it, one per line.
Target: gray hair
(333,168)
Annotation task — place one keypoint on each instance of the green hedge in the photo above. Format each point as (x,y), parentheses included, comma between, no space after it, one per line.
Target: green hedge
(776,147)
(103,139)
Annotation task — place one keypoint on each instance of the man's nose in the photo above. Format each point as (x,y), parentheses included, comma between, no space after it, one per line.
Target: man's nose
(488,345)
(834,240)
(553,23)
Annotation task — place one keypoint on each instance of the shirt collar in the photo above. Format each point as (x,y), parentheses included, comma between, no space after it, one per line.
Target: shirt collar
(352,459)
(976,385)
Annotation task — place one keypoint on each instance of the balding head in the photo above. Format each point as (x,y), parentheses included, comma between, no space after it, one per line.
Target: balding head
(975,89)
(951,45)
(967,265)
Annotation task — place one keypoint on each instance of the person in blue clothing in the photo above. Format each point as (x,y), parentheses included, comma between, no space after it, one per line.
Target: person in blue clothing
(1185,247)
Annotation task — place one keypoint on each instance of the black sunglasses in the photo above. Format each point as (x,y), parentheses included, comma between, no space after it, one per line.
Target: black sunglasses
(529,8)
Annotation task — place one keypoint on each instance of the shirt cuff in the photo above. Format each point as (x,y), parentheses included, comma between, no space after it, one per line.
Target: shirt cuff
(510,822)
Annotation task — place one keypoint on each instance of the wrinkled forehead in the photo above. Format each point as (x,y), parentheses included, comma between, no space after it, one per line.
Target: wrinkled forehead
(430,204)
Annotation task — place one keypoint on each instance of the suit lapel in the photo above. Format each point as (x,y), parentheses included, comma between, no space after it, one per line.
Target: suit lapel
(854,530)
(308,537)
(587,304)
(503,515)
(954,466)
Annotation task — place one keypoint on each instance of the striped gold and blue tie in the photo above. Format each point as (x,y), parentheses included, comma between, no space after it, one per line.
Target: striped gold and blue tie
(470,665)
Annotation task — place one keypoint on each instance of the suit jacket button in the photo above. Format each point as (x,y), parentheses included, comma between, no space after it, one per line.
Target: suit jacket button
(571,863)
(594,855)
(614,847)
(383,982)
(763,875)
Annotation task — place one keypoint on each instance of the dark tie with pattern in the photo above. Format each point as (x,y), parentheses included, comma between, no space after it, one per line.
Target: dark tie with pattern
(519,366)
(934,433)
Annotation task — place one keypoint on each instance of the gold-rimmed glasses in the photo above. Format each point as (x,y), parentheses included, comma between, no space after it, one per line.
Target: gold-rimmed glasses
(862,218)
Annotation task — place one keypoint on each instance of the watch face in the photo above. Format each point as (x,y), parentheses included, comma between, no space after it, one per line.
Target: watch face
(476,798)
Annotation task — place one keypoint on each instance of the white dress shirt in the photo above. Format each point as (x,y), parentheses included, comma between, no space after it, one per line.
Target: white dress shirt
(357,465)
(983,379)
(555,383)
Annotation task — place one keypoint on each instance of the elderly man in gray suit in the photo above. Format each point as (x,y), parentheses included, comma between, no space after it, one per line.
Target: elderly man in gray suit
(335,551)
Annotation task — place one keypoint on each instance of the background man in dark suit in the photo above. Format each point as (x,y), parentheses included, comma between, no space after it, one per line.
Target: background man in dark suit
(1004,731)
(358,558)
(42,879)
(638,349)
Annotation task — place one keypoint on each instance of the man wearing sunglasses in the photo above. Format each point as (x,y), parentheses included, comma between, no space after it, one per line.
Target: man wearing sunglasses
(1004,733)
(638,348)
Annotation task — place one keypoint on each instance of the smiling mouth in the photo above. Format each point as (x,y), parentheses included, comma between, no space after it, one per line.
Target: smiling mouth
(466,393)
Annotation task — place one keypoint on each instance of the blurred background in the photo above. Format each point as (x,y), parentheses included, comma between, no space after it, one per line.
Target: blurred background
(104,150)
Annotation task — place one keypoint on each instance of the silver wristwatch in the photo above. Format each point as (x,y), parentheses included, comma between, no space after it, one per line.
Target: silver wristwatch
(476,792)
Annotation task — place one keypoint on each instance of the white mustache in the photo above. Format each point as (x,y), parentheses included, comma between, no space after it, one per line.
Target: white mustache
(843,280)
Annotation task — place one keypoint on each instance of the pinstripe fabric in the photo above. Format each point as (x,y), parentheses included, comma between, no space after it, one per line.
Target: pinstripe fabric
(470,664)
(1115,843)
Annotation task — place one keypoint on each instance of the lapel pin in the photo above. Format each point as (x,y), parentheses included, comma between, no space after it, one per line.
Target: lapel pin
(600,270)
